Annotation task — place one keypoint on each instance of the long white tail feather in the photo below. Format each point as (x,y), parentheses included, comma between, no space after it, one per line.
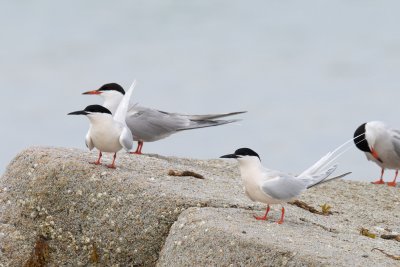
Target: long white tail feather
(310,180)
(340,154)
(321,164)
(324,163)
(323,168)
(122,109)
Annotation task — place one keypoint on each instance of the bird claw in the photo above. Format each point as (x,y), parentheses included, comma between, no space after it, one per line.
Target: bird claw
(111,166)
(260,218)
(392,184)
(95,162)
(279,222)
(378,182)
(136,153)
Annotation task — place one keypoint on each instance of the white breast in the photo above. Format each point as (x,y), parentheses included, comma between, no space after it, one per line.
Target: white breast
(105,136)
(253,178)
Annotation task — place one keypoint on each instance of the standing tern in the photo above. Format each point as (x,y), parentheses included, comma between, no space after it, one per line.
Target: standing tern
(276,187)
(149,125)
(381,144)
(108,133)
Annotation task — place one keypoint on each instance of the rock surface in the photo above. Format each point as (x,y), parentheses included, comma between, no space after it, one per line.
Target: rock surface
(57,209)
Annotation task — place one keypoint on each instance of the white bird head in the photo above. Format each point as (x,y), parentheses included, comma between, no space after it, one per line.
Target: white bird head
(109,89)
(244,155)
(94,112)
(112,94)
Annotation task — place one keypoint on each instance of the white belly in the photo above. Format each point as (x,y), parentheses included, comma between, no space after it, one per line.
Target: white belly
(106,139)
(254,192)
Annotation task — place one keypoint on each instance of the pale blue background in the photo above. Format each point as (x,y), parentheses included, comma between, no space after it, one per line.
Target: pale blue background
(308,72)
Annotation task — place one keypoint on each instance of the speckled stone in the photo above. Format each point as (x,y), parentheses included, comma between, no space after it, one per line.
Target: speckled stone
(94,216)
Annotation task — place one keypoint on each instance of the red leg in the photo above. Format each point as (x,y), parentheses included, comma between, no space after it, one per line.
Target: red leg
(138,149)
(380,181)
(112,166)
(263,218)
(141,145)
(282,215)
(98,160)
(394,181)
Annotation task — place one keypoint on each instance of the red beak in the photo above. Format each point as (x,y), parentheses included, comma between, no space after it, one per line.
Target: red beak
(94,92)
(375,155)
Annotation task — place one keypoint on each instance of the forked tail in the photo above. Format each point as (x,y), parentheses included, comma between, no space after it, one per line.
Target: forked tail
(206,123)
(323,168)
(211,116)
(328,180)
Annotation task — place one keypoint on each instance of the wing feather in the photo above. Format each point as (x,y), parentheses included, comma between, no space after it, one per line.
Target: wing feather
(88,141)
(283,187)
(396,141)
(126,139)
(151,125)
(122,109)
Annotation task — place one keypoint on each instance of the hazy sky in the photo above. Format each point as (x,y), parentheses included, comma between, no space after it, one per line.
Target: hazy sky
(308,72)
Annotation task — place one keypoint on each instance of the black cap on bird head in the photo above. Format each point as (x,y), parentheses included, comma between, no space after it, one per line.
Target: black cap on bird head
(106,87)
(91,109)
(361,142)
(112,87)
(242,152)
(359,139)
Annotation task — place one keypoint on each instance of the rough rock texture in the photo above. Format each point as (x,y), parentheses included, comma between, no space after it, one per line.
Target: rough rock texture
(57,209)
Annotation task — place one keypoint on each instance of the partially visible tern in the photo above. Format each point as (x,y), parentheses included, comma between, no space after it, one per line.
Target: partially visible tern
(149,125)
(276,187)
(108,133)
(381,144)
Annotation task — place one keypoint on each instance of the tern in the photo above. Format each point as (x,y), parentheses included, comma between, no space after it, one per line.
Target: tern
(108,133)
(276,187)
(381,144)
(149,125)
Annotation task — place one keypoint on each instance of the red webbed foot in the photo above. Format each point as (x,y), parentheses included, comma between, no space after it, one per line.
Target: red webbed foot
(260,218)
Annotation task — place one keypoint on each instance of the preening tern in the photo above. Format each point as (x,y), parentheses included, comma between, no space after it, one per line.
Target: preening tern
(381,144)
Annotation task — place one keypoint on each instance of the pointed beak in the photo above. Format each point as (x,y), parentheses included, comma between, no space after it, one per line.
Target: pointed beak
(229,156)
(79,112)
(93,92)
(375,155)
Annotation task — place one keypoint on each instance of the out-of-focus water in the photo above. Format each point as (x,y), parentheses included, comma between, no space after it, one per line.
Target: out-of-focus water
(308,72)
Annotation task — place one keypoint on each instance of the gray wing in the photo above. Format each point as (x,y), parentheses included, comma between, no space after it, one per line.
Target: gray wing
(283,187)
(126,139)
(151,125)
(396,141)
(88,141)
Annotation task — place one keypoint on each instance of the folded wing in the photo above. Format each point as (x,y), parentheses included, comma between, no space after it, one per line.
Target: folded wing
(283,187)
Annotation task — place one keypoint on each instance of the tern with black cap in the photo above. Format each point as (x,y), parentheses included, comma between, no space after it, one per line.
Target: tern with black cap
(276,187)
(381,144)
(108,133)
(149,125)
